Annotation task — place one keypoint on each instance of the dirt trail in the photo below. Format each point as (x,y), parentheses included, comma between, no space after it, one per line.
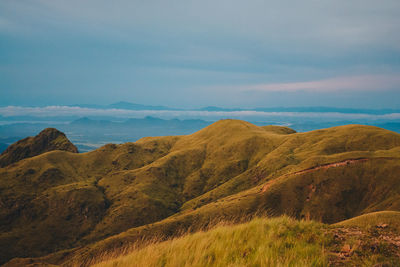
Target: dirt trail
(312,169)
(329,165)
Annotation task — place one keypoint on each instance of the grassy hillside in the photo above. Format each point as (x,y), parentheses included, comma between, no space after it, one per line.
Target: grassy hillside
(268,242)
(159,187)
(261,242)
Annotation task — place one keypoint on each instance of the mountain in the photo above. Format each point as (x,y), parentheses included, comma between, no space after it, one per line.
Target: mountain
(64,208)
(47,140)
(124,105)
(133,106)
(213,108)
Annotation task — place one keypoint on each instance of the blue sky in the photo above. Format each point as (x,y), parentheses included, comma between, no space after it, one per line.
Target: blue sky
(186,53)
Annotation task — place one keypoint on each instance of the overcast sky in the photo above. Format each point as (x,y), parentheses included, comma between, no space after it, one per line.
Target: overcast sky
(184,53)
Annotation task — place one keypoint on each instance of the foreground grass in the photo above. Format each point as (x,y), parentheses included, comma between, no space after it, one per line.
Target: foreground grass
(261,242)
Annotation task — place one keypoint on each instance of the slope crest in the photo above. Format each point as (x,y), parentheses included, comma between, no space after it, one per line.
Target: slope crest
(47,140)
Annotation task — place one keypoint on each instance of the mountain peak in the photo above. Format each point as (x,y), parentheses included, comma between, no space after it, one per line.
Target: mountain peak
(228,125)
(47,140)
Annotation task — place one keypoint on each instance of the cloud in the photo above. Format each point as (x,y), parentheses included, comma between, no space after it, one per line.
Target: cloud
(67,111)
(162,52)
(5,24)
(352,83)
(287,23)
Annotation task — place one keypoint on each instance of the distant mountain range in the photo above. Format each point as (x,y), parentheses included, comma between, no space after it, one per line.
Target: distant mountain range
(133,106)
(91,126)
(125,105)
(88,133)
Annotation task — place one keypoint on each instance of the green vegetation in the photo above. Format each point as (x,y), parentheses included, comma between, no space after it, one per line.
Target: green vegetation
(64,207)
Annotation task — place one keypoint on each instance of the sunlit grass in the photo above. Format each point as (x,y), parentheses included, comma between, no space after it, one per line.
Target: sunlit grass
(261,242)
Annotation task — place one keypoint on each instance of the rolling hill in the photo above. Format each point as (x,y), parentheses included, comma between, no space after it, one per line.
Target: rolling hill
(60,207)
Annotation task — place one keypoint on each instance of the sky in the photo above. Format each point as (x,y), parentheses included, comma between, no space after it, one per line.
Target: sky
(183,53)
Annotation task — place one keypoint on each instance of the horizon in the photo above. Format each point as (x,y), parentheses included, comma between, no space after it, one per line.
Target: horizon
(109,105)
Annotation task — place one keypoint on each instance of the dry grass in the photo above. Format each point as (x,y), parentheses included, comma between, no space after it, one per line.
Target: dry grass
(261,242)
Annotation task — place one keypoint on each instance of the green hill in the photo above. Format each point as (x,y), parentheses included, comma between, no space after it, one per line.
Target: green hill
(75,206)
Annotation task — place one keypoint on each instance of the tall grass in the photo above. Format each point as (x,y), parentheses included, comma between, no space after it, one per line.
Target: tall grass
(260,242)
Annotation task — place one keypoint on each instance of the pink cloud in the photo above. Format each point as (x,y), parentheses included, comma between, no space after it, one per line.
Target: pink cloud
(353,83)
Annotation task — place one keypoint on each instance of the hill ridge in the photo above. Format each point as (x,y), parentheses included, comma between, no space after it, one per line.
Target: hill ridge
(47,140)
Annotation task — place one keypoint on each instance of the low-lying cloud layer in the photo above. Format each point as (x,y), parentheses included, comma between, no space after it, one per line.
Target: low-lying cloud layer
(66,111)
